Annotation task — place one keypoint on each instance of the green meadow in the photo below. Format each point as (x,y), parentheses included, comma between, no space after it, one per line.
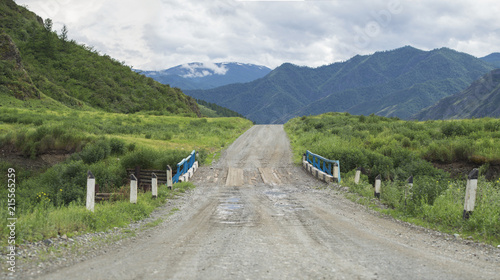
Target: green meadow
(50,198)
(398,149)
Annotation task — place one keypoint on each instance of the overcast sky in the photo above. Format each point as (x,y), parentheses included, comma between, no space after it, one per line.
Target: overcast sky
(159,34)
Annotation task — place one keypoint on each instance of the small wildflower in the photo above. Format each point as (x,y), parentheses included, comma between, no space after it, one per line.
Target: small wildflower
(60,190)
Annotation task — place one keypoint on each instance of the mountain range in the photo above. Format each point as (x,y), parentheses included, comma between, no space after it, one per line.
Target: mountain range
(481,99)
(36,63)
(493,59)
(396,83)
(197,75)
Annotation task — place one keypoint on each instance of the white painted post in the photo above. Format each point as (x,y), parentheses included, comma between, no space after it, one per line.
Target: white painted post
(90,191)
(357,176)
(470,193)
(378,183)
(335,172)
(154,185)
(169,177)
(409,187)
(133,189)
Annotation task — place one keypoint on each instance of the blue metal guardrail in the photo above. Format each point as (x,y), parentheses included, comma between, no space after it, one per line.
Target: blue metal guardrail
(184,166)
(322,163)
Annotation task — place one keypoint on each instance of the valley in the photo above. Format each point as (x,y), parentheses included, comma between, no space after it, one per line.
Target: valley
(250,211)
(294,228)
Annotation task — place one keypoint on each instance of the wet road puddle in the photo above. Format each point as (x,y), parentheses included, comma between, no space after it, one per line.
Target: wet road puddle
(232,203)
(229,211)
(283,201)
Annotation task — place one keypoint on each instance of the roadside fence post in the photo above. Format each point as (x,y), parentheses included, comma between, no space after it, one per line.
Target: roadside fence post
(133,189)
(470,193)
(357,176)
(378,183)
(154,185)
(90,191)
(169,177)
(408,188)
(335,172)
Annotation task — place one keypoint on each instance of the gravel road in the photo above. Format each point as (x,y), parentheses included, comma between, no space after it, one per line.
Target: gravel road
(255,215)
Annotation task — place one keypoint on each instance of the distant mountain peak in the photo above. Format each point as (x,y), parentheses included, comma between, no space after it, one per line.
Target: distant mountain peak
(203,69)
(493,59)
(206,75)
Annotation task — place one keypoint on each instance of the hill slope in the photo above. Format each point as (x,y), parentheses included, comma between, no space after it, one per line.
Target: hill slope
(481,99)
(396,83)
(38,63)
(493,59)
(207,75)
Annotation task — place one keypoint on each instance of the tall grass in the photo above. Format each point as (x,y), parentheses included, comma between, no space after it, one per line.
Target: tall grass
(104,143)
(398,149)
(48,221)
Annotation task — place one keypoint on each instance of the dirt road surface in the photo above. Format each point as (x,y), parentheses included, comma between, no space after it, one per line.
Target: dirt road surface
(255,215)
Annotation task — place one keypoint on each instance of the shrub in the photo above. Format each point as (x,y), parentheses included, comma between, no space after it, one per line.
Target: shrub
(453,128)
(439,152)
(319,125)
(117,146)
(109,175)
(445,210)
(462,150)
(379,164)
(170,158)
(406,142)
(492,125)
(350,158)
(96,151)
(393,194)
(131,147)
(427,188)
(144,158)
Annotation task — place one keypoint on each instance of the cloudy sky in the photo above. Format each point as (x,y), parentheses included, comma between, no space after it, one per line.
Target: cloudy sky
(159,34)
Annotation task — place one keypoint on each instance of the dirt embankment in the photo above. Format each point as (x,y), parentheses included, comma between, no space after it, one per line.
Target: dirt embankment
(42,162)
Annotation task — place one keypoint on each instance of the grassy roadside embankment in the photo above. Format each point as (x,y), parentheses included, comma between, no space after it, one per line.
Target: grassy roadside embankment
(50,199)
(397,149)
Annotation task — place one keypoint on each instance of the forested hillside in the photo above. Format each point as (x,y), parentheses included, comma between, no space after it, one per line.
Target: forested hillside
(481,99)
(493,59)
(213,110)
(397,83)
(39,62)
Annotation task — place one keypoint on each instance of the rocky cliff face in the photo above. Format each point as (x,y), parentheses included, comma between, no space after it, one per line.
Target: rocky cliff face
(9,51)
(481,99)
(18,83)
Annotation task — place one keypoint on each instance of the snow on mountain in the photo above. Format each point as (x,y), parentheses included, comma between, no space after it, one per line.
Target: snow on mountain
(206,75)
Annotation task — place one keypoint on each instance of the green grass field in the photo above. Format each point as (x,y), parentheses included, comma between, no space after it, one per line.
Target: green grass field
(102,142)
(397,149)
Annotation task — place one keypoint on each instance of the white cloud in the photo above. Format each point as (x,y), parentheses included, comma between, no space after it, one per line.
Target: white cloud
(158,34)
(199,70)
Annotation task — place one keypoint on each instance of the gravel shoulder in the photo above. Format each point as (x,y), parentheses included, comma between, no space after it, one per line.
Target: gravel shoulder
(255,215)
